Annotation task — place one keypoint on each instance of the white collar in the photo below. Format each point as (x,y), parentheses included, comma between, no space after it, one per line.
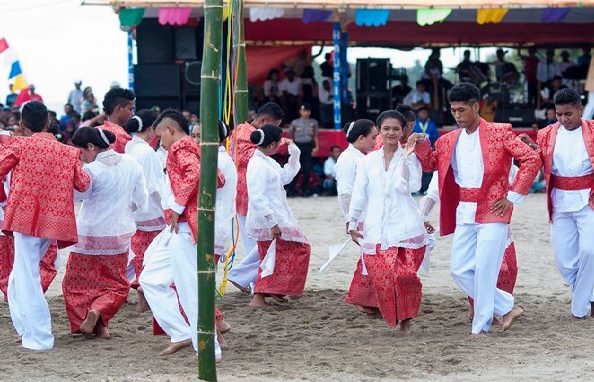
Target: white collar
(105,154)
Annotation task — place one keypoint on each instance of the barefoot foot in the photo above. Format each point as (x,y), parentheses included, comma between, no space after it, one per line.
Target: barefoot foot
(258,301)
(88,325)
(224,326)
(406,325)
(102,331)
(509,318)
(176,346)
(142,305)
(477,336)
(18,340)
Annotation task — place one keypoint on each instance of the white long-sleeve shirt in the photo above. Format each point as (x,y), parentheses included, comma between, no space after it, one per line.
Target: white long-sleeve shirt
(346,170)
(153,218)
(225,204)
(268,205)
(105,222)
(570,159)
(393,218)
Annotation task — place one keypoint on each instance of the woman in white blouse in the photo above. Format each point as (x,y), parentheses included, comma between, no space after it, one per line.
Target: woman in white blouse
(95,285)
(282,246)
(151,222)
(361,137)
(393,238)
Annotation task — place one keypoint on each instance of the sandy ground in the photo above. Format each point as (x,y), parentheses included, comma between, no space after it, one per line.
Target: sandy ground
(319,338)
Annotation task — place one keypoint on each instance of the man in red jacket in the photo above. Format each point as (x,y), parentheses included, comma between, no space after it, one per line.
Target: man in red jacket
(118,106)
(40,209)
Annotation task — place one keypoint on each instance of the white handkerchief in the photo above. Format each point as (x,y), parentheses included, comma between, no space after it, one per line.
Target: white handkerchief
(333,252)
(267,264)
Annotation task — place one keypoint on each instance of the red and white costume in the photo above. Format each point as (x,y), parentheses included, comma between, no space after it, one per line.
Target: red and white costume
(152,221)
(394,237)
(473,174)
(40,210)
(171,257)
(568,158)
(225,204)
(268,207)
(95,275)
(361,290)
(122,136)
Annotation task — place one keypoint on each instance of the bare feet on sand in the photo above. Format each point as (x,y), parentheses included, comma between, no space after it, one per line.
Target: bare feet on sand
(18,340)
(258,301)
(279,298)
(142,305)
(176,346)
(497,321)
(102,331)
(243,289)
(364,309)
(509,318)
(480,335)
(88,325)
(405,326)
(224,327)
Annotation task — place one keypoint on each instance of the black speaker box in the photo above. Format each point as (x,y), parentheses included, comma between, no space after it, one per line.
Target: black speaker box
(157,80)
(154,42)
(373,74)
(162,102)
(185,39)
(191,77)
(516,116)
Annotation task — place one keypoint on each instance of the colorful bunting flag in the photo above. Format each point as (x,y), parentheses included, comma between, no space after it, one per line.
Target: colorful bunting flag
(485,16)
(10,59)
(316,15)
(371,17)
(15,70)
(554,15)
(130,17)
(430,16)
(19,83)
(3,45)
(263,14)
(174,16)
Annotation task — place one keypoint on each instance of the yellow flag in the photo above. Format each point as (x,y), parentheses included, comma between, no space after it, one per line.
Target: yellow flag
(19,83)
(484,16)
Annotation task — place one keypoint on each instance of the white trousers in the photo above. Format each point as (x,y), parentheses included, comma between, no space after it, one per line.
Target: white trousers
(28,307)
(572,235)
(171,258)
(477,254)
(246,272)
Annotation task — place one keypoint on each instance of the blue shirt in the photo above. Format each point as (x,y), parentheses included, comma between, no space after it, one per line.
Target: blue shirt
(428,127)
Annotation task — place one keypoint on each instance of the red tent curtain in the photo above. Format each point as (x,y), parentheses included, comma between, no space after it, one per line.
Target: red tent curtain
(261,59)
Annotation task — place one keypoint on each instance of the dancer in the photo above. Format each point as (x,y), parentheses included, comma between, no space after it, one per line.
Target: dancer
(243,275)
(270,221)
(393,239)
(361,136)
(171,257)
(40,209)
(567,151)
(152,221)
(473,165)
(95,284)
(118,105)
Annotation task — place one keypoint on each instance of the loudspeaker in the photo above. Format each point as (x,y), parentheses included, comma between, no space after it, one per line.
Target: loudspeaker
(191,77)
(185,43)
(516,116)
(370,107)
(157,80)
(154,42)
(373,75)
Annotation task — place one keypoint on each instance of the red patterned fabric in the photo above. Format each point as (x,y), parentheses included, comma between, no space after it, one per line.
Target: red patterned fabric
(183,169)
(94,282)
(290,268)
(572,183)
(241,150)
(44,175)
(397,286)
(3,196)
(499,146)
(546,139)
(470,194)
(508,273)
(122,137)
(140,242)
(361,291)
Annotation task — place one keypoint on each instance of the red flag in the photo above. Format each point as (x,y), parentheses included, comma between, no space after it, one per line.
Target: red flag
(3,45)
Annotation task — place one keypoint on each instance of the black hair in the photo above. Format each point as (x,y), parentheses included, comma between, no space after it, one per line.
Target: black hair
(271,72)
(272,110)
(568,96)
(407,111)
(395,114)
(305,106)
(223,131)
(89,114)
(85,135)
(361,127)
(421,83)
(146,116)
(115,97)
(271,133)
(69,104)
(176,116)
(35,116)
(555,78)
(334,147)
(465,92)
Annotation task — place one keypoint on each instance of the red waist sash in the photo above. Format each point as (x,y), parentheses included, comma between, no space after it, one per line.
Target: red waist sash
(470,195)
(572,183)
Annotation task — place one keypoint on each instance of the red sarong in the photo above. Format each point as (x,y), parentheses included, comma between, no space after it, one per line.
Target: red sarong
(397,287)
(140,242)
(290,268)
(361,291)
(94,282)
(47,268)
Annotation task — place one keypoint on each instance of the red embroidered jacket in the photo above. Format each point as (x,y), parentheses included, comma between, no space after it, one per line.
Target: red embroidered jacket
(499,146)
(122,136)
(546,142)
(241,150)
(44,174)
(183,169)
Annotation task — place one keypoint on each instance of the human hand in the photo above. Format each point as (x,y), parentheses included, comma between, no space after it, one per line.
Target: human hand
(356,236)
(276,232)
(501,206)
(527,140)
(174,225)
(429,227)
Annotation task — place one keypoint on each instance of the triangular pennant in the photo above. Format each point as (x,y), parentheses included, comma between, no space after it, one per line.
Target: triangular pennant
(3,45)
(130,17)
(371,17)
(484,16)
(19,83)
(554,15)
(430,16)
(15,70)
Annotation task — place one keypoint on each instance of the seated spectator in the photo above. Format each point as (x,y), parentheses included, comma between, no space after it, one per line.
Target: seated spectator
(89,101)
(326,104)
(548,93)
(290,89)
(272,90)
(550,117)
(425,125)
(400,91)
(419,97)
(329,183)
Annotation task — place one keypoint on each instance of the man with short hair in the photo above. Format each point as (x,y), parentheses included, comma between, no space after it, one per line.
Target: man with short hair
(75,97)
(118,105)
(304,132)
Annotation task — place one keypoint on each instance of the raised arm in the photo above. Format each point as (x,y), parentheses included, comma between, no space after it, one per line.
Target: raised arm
(292,167)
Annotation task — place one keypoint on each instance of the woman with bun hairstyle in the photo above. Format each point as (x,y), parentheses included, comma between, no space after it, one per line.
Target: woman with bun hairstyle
(393,238)
(152,221)
(361,136)
(270,220)
(95,285)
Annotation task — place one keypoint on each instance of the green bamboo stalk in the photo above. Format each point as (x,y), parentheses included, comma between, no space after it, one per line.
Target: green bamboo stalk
(209,106)
(241,90)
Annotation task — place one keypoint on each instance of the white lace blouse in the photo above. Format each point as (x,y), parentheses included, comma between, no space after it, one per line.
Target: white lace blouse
(225,204)
(346,169)
(105,221)
(153,218)
(393,218)
(268,205)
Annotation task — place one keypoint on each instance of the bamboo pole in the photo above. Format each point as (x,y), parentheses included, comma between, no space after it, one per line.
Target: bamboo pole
(241,90)
(209,107)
